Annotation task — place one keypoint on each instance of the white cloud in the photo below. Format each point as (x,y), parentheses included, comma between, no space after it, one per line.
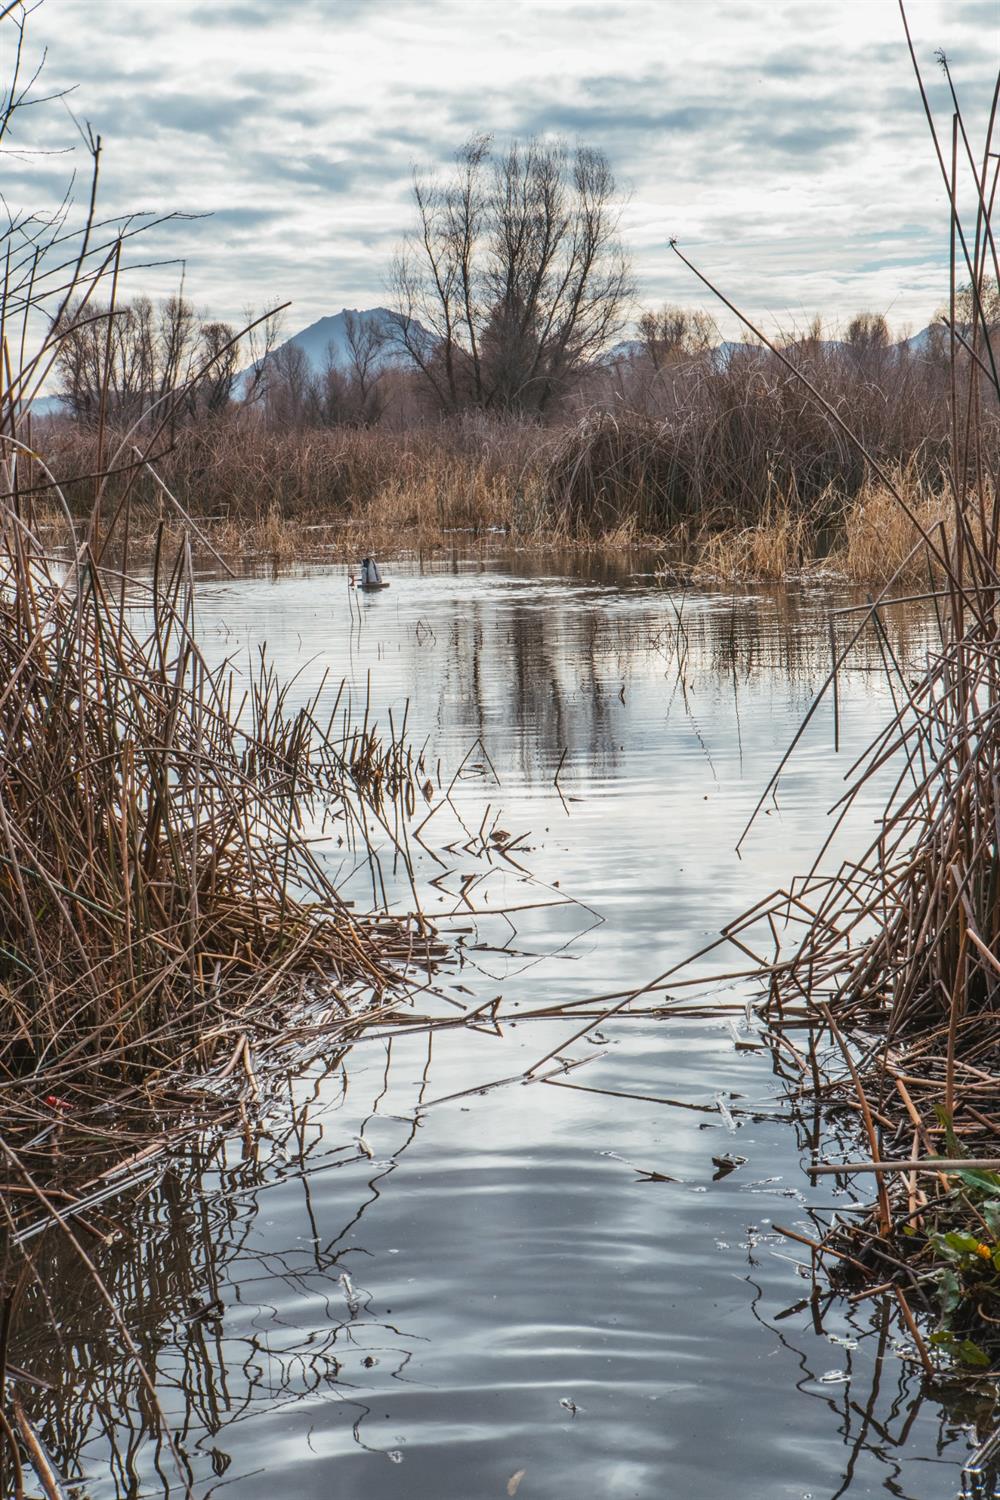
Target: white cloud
(780,140)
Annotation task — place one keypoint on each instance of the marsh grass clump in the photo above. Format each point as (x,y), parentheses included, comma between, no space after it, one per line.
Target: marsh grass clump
(154,868)
(613,469)
(778,546)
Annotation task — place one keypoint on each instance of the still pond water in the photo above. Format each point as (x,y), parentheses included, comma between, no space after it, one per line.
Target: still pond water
(488,1296)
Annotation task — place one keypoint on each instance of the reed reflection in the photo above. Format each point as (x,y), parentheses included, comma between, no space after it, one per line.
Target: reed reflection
(231,1319)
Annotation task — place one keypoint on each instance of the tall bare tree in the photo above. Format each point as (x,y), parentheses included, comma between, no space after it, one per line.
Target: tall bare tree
(367,341)
(515,277)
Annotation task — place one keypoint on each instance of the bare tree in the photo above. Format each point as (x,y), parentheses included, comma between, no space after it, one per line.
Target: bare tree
(133,356)
(367,339)
(215,392)
(867,333)
(515,277)
(262,339)
(674,334)
(289,397)
(340,394)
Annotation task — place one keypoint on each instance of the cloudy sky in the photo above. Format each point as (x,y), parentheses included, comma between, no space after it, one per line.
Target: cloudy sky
(781,141)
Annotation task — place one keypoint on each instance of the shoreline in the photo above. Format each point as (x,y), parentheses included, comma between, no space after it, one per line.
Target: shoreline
(871,544)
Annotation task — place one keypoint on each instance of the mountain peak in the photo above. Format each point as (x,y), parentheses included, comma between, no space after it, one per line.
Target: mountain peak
(326,340)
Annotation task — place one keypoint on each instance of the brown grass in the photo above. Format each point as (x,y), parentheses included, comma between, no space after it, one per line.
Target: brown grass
(779,546)
(334,496)
(706,452)
(881,544)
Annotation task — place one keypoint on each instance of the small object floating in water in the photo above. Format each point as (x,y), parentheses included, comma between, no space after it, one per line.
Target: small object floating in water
(371,577)
(350,1294)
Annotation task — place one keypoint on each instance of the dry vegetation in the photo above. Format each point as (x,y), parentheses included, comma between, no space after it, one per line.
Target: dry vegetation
(883,979)
(164,923)
(168,935)
(733,470)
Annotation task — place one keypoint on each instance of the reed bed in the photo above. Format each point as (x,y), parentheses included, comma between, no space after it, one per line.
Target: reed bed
(171,938)
(465,474)
(337,496)
(883,978)
(154,865)
(707,456)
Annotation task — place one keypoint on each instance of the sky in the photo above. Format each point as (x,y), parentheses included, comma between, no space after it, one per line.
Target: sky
(782,142)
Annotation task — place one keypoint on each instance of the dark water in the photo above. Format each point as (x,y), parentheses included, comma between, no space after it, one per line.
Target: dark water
(487,1296)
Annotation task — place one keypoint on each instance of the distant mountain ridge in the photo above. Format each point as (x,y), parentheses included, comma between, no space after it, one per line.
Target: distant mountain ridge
(327,338)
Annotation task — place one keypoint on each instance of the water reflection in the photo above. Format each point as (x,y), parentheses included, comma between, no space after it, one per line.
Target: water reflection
(200,1253)
(262,1285)
(394,1287)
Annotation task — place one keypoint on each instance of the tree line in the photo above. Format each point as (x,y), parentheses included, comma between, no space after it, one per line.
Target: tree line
(506,295)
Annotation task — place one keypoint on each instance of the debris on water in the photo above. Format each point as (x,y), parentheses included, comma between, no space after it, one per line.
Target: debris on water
(644,1174)
(726,1113)
(394,1456)
(726,1164)
(834,1377)
(843,1343)
(743,1043)
(364,1147)
(569,1404)
(350,1295)
(207,1311)
(515,1480)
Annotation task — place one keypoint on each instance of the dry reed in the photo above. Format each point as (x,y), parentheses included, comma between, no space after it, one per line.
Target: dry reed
(712,448)
(168,933)
(896,956)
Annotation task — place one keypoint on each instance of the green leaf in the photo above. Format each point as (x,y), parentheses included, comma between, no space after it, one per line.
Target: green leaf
(991,1213)
(965,1244)
(949,1292)
(988,1182)
(955,1148)
(942,1339)
(971,1354)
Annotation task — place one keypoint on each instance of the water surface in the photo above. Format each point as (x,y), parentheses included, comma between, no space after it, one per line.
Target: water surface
(567,1287)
